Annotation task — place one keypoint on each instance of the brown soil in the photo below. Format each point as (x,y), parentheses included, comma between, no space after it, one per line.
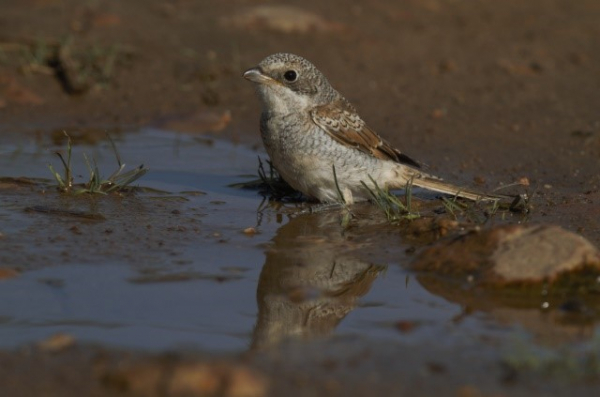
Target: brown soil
(495,91)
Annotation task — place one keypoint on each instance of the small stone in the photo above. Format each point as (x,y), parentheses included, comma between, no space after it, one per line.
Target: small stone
(137,379)
(201,379)
(198,122)
(523,181)
(192,379)
(75,229)
(446,66)
(13,92)
(250,231)
(106,20)
(438,113)
(468,391)
(281,18)
(7,272)
(577,58)
(243,382)
(405,326)
(479,180)
(57,343)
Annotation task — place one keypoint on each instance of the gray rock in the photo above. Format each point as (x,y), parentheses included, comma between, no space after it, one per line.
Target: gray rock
(541,253)
(511,254)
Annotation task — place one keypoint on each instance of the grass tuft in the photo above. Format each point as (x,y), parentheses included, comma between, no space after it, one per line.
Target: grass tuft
(270,184)
(337,186)
(480,212)
(118,181)
(395,210)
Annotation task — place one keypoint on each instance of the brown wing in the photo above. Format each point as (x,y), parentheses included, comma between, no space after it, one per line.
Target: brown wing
(340,120)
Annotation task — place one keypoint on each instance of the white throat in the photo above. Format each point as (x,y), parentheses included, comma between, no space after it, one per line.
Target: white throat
(281,100)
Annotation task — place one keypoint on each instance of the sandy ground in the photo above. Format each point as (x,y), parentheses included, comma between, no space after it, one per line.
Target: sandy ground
(498,91)
(484,92)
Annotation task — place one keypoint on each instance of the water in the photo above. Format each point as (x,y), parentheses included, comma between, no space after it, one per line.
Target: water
(162,273)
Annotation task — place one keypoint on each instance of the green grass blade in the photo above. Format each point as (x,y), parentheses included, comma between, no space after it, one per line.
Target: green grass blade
(59,180)
(337,186)
(114,148)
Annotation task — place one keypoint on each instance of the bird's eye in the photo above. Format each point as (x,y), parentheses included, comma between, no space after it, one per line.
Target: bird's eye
(290,75)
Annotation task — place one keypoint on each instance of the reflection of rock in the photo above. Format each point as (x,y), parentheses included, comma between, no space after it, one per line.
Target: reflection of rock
(541,277)
(512,254)
(550,320)
(310,280)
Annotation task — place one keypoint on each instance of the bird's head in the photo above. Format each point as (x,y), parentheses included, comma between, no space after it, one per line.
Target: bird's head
(289,83)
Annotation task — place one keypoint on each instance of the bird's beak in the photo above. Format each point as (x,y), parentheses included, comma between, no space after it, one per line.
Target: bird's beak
(257,76)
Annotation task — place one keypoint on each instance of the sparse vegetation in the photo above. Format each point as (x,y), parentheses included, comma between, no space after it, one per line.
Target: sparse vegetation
(348,215)
(77,68)
(118,181)
(471,211)
(479,212)
(395,210)
(270,185)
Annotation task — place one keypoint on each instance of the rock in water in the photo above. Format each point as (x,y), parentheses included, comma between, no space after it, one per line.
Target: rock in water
(511,254)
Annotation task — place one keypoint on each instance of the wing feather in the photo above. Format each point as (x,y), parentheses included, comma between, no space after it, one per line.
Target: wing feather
(340,120)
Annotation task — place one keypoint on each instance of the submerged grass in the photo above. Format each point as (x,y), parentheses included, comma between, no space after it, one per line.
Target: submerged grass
(118,181)
(566,363)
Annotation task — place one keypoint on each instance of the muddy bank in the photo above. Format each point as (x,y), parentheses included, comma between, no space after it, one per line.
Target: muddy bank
(342,367)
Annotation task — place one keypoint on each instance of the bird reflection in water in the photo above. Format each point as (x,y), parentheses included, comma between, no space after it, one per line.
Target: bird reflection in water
(310,280)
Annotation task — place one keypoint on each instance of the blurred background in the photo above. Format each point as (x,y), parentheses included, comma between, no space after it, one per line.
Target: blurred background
(485,91)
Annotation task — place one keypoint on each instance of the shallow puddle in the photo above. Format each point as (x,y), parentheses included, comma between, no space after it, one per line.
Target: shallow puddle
(179,266)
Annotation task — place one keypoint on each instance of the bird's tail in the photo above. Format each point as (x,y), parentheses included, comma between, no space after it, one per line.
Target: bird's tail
(440,186)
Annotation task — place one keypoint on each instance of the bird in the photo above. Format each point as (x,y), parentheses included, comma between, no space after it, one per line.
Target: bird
(319,144)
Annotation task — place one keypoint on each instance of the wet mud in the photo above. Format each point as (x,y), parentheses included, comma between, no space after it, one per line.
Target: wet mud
(189,260)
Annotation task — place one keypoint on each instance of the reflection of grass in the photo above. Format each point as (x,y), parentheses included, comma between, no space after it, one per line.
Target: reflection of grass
(566,363)
(118,181)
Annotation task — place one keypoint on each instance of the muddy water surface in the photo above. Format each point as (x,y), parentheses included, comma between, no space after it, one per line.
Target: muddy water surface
(195,262)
